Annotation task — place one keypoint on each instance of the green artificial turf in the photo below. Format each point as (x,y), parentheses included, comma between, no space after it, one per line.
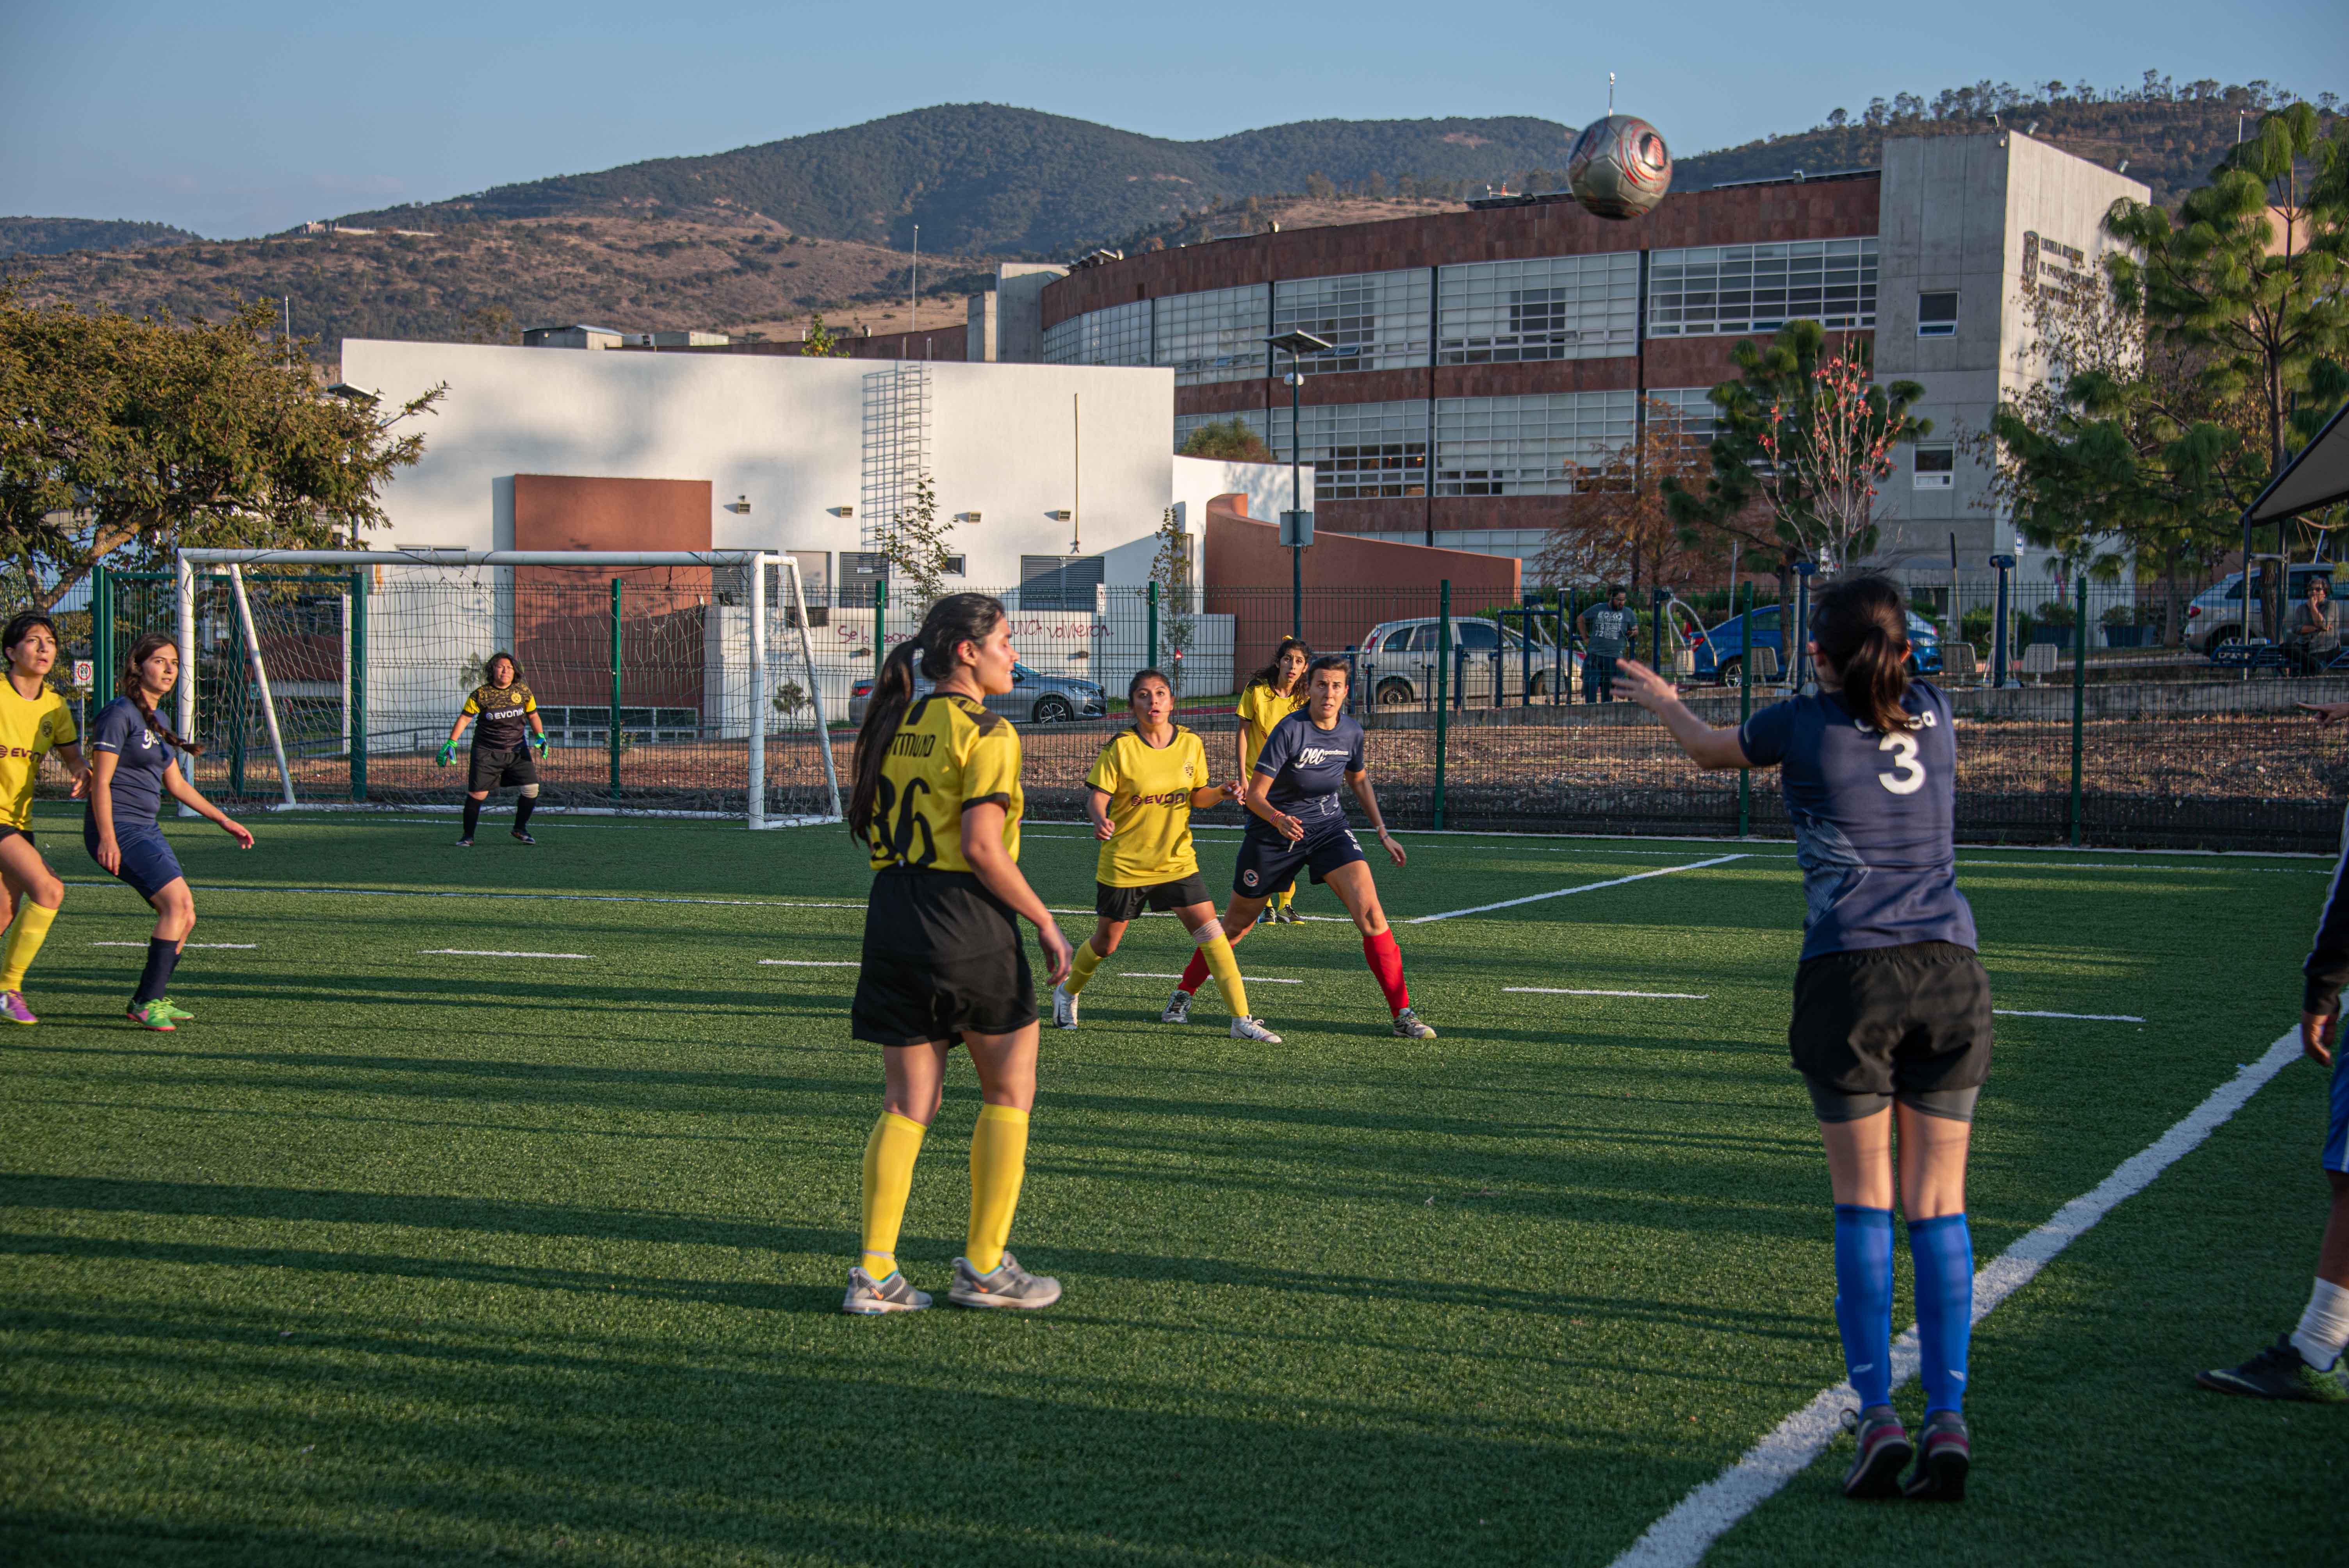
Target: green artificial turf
(394,1256)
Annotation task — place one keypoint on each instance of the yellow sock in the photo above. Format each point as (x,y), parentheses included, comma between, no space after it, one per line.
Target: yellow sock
(998,1159)
(1281,898)
(24,939)
(1080,972)
(1217,951)
(889,1155)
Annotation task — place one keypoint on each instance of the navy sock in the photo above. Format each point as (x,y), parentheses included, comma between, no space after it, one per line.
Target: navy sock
(1863,1252)
(472,815)
(1943,1251)
(522,808)
(161,958)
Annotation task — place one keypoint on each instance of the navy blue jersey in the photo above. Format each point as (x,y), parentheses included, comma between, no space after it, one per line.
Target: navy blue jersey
(1874,820)
(140,757)
(1308,764)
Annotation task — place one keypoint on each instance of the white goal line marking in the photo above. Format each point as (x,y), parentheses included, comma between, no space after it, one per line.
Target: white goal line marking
(494,952)
(2088,1018)
(815,963)
(1570,892)
(1564,990)
(1170,974)
(1680,1539)
(243,944)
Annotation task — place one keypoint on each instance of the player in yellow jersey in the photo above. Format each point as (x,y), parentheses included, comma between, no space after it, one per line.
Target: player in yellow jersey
(1272,693)
(937,801)
(1140,793)
(34,722)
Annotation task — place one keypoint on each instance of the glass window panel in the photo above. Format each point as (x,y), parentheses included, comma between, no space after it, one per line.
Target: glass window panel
(1552,308)
(1542,444)
(1717,289)
(1371,321)
(1118,336)
(1360,451)
(1215,335)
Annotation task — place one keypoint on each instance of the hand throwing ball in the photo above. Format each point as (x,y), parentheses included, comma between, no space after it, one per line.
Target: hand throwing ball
(1620,167)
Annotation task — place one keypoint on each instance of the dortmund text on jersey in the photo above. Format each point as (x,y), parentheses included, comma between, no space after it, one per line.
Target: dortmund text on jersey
(949,753)
(1150,790)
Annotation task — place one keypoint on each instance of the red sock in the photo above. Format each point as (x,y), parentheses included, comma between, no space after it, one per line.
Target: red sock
(1385,959)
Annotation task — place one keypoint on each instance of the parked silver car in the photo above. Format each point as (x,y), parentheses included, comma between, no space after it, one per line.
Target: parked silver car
(1396,666)
(1034,698)
(2215,615)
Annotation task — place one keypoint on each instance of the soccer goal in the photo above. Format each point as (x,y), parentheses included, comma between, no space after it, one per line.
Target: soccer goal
(677,683)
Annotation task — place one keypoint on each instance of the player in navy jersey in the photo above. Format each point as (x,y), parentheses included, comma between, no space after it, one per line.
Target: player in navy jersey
(1295,823)
(1892,1014)
(132,769)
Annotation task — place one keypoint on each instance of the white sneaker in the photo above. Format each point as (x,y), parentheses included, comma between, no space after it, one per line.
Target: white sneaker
(1007,1285)
(869,1297)
(1409,1026)
(1253,1030)
(1178,1008)
(1064,1008)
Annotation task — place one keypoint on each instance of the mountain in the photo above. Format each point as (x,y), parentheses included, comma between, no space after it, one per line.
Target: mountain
(55,236)
(984,177)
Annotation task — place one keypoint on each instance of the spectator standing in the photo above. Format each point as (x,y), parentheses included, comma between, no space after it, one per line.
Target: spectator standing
(1608,629)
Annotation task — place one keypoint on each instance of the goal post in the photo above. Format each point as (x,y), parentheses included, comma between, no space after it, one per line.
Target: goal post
(698,694)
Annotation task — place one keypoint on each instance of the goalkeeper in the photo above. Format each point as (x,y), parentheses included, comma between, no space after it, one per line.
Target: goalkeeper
(506,748)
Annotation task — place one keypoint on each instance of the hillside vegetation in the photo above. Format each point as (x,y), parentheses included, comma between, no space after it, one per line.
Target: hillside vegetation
(55,236)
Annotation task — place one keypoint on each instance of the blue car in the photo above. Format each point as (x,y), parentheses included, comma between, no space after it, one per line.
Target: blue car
(1720,650)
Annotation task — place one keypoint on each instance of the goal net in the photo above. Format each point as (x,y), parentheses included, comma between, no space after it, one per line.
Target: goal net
(670,683)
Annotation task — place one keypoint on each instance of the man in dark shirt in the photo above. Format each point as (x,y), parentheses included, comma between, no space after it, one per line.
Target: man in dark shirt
(1608,630)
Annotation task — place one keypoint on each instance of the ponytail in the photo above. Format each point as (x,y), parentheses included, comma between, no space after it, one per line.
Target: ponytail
(957,619)
(1861,626)
(146,648)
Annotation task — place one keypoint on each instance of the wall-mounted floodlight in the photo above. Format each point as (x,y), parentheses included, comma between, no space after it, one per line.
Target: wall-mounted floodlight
(842,510)
(1060,516)
(354,394)
(966,517)
(739,506)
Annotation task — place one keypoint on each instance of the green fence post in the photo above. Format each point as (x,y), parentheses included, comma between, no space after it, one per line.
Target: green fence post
(233,688)
(359,684)
(611,729)
(2079,693)
(1151,661)
(102,635)
(1442,669)
(880,613)
(1745,711)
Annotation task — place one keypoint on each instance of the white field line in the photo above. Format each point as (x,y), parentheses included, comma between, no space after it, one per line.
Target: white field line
(535,897)
(242,944)
(1170,974)
(494,952)
(1570,892)
(814,963)
(2087,1017)
(1564,990)
(1680,1538)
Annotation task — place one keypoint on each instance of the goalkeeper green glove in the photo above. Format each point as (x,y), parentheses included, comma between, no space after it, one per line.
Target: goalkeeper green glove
(448,752)
(538,744)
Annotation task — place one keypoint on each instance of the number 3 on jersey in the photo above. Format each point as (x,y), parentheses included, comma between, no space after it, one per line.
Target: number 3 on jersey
(1908,775)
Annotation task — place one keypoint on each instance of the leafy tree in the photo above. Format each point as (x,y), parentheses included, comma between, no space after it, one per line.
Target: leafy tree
(917,542)
(1170,568)
(821,342)
(123,438)
(2252,274)
(1229,439)
(491,323)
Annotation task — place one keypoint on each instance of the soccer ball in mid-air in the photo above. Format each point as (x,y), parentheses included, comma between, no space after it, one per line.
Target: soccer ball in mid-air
(1620,167)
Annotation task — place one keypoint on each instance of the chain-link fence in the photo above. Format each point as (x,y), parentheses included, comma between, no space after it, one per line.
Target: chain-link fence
(2103,714)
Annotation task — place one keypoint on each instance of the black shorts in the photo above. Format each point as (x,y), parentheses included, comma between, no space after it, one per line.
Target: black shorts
(1269,862)
(9,830)
(497,770)
(1910,1023)
(1123,904)
(942,955)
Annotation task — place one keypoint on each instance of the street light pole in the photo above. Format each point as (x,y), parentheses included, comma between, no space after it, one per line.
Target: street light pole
(1296,526)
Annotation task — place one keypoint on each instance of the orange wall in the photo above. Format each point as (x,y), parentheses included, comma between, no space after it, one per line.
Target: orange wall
(1350,583)
(563,615)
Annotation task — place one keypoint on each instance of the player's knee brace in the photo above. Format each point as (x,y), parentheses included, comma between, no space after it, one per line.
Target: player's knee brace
(530,792)
(1208,931)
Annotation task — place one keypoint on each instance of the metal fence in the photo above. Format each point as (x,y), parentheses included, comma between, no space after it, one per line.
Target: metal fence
(2103,714)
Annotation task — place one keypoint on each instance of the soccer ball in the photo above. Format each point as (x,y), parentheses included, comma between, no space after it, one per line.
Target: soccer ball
(1620,167)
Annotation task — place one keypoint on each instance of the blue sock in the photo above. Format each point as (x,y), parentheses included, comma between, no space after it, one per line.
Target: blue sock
(1863,1239)
(1943,1251)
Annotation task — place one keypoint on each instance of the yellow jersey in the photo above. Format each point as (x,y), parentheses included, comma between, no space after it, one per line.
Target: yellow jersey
(29,726)
(1260,709)
(949,753)
(1149,789)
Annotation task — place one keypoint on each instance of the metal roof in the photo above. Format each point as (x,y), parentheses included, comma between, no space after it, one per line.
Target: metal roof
(2317,475)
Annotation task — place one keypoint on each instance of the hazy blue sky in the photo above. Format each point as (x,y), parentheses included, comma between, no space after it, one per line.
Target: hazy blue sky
(240,117)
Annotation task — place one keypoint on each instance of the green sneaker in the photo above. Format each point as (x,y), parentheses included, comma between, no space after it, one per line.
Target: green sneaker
(2279,1372)
(155,1014)
(179,1014)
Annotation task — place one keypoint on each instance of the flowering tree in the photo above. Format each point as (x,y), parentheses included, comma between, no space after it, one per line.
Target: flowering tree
(1619,529)
(1827,445)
